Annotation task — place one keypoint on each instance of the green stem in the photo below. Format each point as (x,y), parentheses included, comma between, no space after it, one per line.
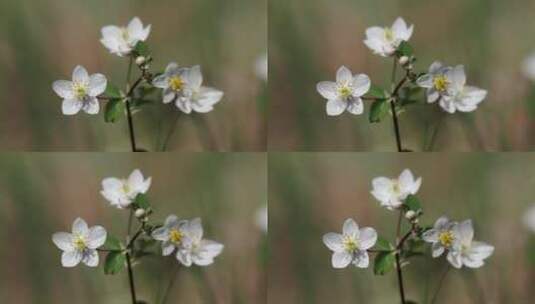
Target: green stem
(128,109)
(395,122)
(398,260)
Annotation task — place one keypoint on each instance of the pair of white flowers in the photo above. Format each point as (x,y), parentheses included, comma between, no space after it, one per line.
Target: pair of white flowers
(181,85)
(458,240)
(448,86)
(186,237)
(445,84)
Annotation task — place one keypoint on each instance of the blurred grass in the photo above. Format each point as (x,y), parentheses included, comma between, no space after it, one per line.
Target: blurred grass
(42,41)
(43,193)
(312,194)
(310,39)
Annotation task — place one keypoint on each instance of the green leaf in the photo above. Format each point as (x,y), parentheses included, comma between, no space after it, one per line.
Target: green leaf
(141,201)
(384,263)
(115,262)
(379,110)
(383,244)
(376,91)
(413,203)
(112,243)
(114,110)
(112,91)
(141,49)
(404,49)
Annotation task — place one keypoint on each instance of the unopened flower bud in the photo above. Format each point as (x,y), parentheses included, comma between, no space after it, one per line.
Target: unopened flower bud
(403,60)
(139,212)
(410,214)
(140,60)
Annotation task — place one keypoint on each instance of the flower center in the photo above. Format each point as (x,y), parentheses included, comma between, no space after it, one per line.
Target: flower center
(389,34)
(446,238)
(176,83)
(79,243)
(126,187)
(80,90)
(344,91)
(124,34)
(350,244)
(175,236)
(440,83)
(395,187)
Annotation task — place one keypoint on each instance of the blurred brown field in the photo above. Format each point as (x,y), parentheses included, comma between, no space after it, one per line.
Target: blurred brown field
(310,39)
(312,194)
(42,41)
(41,194)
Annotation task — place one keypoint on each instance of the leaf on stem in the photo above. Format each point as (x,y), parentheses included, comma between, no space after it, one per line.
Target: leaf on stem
(383,244)
(404,49)
(379,109)
(413,203)
(142,202)
(141,49)
(384,263)
(114,110)
(112,91)
(376,92)
(112,243)
(115,262)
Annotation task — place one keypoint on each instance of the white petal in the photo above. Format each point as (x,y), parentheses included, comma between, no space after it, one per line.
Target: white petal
(79,227)
(458,76)
(432,95)
(171,221)
(135,180)
(161,234)
(111,183)
(208,251)
(71,258)
(97,237)
(425,81)
(194,229)
(442,222)
(375,32)
(63,88)
(437,250)
(208,96)
(344,75)
(378,46)
(327,89)
(361,85)
(528,67)
(91,106)
(351,228)
(97,84)
(183,105)
(90,258)
(168,95)
(135,27)
(167,248)
(333,241)
(355,106)
(110,31)
(341,259)
(447,104)
(71,106)
(80,74)
(480,250)
(335,107)
(171,68)
(161,81)
(367,238)
(194,77)
(430,235)
(455,259)
(63,240)
(472,96)
(184,257)
(466,231)
(362,260)
(435,67)
(381,188)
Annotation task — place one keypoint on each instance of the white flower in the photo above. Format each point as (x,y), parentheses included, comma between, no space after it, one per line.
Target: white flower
(184,87)
(529,218)
(80,93)
(261,67)
(345,93)
(468,252)
(436,81)
(528,67)
(197,250)
(172,234)
(121,40)
(385,41)
(81,244)
(461,97)
(351,246)
(122,192)
(442,236)
(391,191)
(261,218)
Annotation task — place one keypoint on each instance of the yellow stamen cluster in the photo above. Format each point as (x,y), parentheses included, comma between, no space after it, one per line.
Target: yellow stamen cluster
(389,34)
(80,90)
(344,92)
(125,34)
(350,244)
(176,83)
(175,236)
(446,238)
(440,83)
(79,243)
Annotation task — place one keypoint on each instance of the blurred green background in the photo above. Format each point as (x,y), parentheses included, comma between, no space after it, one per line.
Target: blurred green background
(310,39)
(43,193)
(42,41)
(312,194)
